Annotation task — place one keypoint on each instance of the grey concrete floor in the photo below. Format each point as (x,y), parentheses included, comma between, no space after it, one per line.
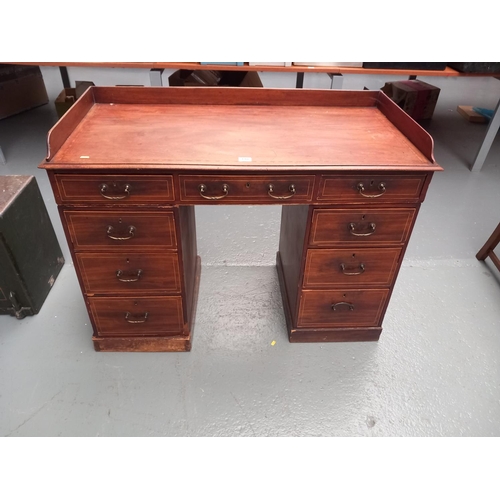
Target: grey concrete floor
(434,372)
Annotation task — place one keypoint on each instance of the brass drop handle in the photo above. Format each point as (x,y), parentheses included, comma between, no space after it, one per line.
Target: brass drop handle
(361,190)
(339,304)
(131,233)
(270,192)
(104,188)
(350,273)
(119,275)
(203,189)
(352,229)
(128,319)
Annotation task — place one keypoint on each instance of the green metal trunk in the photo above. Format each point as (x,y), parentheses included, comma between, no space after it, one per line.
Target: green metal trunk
(30,255)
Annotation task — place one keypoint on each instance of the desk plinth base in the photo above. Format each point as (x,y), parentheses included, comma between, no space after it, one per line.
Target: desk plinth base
(177,343)
(337,335)
(297,335)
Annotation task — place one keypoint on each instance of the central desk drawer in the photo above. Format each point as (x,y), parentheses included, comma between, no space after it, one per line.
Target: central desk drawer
(339,227)
(349,308)
(129,272)
(114,189)
(137,316)
(271,189)
(104,230)
(350,267)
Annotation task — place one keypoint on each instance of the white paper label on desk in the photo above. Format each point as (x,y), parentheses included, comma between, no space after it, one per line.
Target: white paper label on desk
(244,158)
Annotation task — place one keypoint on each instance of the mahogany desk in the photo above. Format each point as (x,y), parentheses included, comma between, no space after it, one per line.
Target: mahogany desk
(128,165)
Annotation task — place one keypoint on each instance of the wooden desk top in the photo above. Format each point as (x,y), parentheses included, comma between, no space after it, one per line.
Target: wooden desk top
(220,128)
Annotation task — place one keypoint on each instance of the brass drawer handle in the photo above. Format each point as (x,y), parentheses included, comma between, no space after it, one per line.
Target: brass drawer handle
(338,304)
(352,229)
(119,275)
(361,190)
(131,233)
(349,273)
(135,321)
(203,189)
(104,187)
(270,191)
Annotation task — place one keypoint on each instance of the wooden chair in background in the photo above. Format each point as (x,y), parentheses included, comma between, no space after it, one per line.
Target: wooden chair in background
(488,249)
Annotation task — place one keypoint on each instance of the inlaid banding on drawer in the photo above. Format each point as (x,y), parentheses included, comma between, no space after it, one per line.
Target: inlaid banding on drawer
(114,189)
(262,189)
(368,188)
(137,316)
(105,230)
(350,308)
(339,227)
(351,267)
(129,273)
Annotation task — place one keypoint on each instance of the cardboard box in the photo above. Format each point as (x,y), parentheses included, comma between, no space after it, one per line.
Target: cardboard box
(64,101)
(68,96)
(205,78)
(21,88)
(416,98)
(470,115)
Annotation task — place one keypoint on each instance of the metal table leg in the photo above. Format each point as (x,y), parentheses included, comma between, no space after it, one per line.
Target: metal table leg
(337,80)
(65,76)
(487,141)
(300,81)
(155,77)
(2,157)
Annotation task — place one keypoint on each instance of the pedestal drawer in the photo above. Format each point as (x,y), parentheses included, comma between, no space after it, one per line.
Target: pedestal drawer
(339,227)
(104,230)
(113,189)
(350,267)
(120,273)
(137,316)
(337,308)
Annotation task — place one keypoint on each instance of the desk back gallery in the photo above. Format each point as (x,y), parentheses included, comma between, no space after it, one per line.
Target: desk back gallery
(128,165)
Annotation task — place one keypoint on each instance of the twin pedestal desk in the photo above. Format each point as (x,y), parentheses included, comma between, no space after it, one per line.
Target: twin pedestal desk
(127,166)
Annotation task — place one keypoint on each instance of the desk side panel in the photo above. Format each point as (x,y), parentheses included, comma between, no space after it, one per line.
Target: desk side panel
(408,126)
(63,129)
(294,228)
(188,256)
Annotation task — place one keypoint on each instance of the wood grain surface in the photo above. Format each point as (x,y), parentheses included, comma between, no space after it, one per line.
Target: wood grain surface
(232,135)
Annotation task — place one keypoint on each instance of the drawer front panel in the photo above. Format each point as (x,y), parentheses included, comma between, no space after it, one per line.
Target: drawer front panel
(137,316)
(105,230)
(351,267)
(114,189)
(265,189)
(335,227)
(371,188)
(129,272)
(341,308)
